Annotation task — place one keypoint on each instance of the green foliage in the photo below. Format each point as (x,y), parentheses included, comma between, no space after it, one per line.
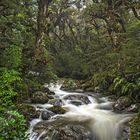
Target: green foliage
(8,79)
(12,56)
(127,86)
(69,84)
(135,128)
(71,64)
(11,122)
(12,126)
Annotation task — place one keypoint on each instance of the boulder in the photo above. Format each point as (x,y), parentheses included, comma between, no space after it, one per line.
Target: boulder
(76,102)
(57,109)
(55,102)
(39,97)
(69,132)
(133,108)
(46,90)
(45,115)
(79,97)
(122,103)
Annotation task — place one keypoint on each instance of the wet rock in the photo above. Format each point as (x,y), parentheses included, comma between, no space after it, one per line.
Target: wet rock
(45,115)
(50,97)
(55,102)
(39,97)
(133,108)
(40,127)
(38,113)
(123,132)
(126,133)
(52,93)
(46,90)
(69,132)
(57,109)
(75,102)
(81,98)
(72,133)
(122,103)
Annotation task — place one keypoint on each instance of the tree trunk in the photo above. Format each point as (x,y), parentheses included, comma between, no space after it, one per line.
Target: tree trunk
(41,28)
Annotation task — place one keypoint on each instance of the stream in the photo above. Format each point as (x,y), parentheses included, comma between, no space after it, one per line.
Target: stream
(85,113)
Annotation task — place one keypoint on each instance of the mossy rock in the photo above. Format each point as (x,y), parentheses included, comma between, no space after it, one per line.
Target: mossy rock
(122,103)
(87,85)
(69,85)
(55,102)
(57,110)
(89,89)
(39,97)
(47,90)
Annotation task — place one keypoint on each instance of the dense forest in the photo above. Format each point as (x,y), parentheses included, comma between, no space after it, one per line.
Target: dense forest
(93,42)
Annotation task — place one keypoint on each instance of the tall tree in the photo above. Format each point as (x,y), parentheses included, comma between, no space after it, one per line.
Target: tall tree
(43,6)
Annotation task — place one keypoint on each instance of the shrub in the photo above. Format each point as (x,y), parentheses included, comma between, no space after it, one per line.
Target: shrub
(135,128)
(11,122)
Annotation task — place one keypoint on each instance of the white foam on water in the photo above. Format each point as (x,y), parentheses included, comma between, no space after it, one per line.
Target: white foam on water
(98,117)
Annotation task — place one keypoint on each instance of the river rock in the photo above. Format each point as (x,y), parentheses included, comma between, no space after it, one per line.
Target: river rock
(76,102)
(39,97)
(57,109)
(82,98)
(46,90)
(122,103)
(40,127)
(69,132)
(45,115)
(76,132)
(55,102)
(133,108)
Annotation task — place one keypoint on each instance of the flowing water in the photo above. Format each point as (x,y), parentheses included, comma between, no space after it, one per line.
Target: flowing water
(97,115)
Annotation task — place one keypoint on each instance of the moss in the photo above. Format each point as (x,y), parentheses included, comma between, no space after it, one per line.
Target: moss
(135,128)
(125,100)
(39,97)
(28,111)
(69,84)
(57,110)
(88,85)
(89,89)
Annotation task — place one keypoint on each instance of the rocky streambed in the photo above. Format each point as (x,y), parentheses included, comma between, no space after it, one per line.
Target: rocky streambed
(55,114)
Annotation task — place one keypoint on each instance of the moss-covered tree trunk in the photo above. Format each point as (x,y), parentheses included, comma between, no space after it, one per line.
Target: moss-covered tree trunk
(41,28)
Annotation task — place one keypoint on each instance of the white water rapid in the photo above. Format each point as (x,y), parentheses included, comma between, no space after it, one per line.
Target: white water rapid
(97,115)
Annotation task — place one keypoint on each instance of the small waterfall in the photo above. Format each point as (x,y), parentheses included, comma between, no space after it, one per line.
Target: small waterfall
(98,117)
